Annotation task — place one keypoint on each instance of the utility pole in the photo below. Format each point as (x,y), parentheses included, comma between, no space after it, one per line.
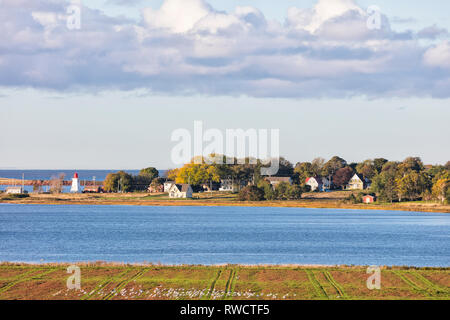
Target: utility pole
(23,182)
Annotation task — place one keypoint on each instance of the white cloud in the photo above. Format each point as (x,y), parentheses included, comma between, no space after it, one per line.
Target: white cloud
(325,10)
(438,56)
(176,15)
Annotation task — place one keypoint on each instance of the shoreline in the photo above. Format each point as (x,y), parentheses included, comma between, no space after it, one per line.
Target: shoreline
(307,204)
(219,265)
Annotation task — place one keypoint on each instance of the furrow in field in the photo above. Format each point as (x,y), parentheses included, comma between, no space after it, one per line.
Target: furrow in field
(232,285)
(21,279)
(411,283)
(430,286)
(213,285)
(227,285)
(122,284)
(316,284)
(335,285)
(103,284)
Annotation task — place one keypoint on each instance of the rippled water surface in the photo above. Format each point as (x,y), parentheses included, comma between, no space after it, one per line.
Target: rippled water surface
(215,235)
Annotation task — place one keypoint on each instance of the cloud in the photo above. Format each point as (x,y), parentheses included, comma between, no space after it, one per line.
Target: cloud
(432,32)
(188,47)
(438,56)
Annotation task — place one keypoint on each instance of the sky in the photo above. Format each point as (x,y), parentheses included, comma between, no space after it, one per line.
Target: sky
(109,94)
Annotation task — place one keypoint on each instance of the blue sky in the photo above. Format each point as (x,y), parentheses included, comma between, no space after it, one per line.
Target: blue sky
(109,95)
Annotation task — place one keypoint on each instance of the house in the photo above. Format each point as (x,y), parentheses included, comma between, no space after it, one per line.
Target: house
(93,189)
(368,199)
(212,186)
(274,181)
(226,185)
(159,188)
(180,191)
(231,185)
(318,183)
(168,185)
(357,182)
(14,190)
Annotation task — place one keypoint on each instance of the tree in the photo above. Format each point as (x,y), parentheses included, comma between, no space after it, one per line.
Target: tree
(385,186)
(149,173)
(378,163)
(282,191)
(295,192)
(303,171)
(342,176)
(367,169)
(172,174)
(197,174)
(410,164)
(440,190)
(333,165)
(57,183)
(251,193)
(120,181)
(412,185)
(264,185)
(317,166)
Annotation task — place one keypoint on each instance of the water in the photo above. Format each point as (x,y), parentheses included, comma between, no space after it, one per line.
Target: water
(216,235)
(100,175)
(84,175)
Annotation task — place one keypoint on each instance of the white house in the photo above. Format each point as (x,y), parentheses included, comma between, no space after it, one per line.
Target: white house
(357,183)
(168,185)
(180,191)
(14,190)
(318,183)
(274,181)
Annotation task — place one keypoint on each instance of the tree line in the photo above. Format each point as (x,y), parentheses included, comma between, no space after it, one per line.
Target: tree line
(390,180)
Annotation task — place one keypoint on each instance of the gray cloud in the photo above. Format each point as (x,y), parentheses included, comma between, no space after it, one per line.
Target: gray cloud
(216,53)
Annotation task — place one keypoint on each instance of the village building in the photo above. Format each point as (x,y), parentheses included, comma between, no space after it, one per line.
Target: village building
(318,183)
(357,183)
(93,189)
(180,191)
(368,199)
(274,181)
(14,190)
(232,185)
(226,185)
(156,188)
(168,185)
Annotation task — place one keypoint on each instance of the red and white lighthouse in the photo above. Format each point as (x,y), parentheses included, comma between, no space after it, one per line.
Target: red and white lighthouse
(75,184)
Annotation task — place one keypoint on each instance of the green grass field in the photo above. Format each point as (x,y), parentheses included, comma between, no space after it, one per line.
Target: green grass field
(133,282)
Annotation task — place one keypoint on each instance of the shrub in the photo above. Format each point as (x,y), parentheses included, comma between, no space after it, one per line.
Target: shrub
(251,193)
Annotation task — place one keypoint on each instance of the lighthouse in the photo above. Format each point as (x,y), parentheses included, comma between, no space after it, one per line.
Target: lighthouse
(75,184)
